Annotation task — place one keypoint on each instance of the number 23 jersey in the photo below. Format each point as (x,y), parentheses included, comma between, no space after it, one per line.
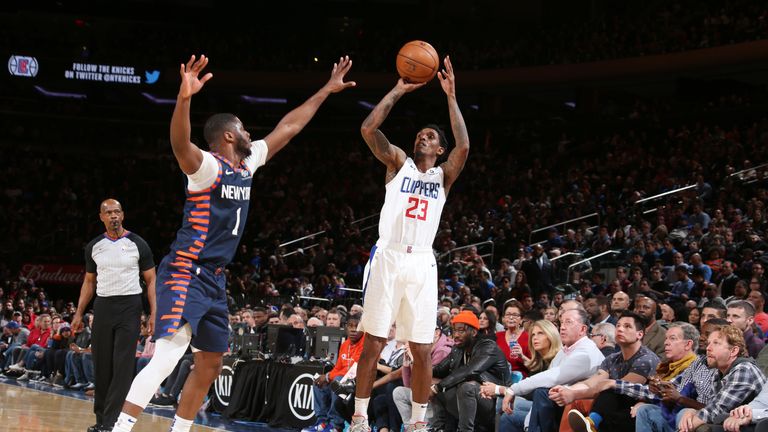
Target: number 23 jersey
(412,207)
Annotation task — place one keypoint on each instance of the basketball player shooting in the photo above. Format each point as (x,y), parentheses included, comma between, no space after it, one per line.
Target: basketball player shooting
(401,275)
(191,293)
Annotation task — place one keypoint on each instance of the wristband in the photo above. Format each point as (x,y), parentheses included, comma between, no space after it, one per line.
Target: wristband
(496,391)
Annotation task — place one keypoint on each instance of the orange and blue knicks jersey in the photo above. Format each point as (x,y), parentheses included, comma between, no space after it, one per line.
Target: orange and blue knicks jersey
(214,218)
(191,284)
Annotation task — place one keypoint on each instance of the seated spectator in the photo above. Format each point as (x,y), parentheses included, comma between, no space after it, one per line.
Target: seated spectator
(750,417)
(690,389)
(333,318)
(667,314)
(78,370)
(577,359)
(441,347)
(457,395)
(36,344)
(738,382)
(741,315)
(694,317)
(148,350)
(653,337)
(20,336)
(487,321)
(634,363)
(514,341)
(54,359)
(324,398)
(604,337)
(681,289)
(712,310)
(619,303)
(740,292)
(599,309)
(757,298)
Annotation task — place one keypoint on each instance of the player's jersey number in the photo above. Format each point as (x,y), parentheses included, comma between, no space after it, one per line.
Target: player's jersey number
(237,224)
(417,208)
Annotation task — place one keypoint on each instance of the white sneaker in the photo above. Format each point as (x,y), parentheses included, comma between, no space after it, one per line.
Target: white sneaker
(24,377)
(77,386)
(359,424)
(15,367)
(416,427)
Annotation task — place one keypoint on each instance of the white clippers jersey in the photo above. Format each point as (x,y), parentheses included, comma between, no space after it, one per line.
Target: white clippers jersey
(412,207)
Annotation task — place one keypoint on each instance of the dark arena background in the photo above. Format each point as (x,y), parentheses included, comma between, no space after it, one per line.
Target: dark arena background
(616,147)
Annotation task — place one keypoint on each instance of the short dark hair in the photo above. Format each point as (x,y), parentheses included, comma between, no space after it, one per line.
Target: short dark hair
(354,317)
(640,322)
(603,301)
(717,322)
(533,315)
(216,125)
(744,305)
(721,309)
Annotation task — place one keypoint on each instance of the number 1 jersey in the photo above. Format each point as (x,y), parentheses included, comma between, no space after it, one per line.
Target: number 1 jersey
(412,207)
(216,208)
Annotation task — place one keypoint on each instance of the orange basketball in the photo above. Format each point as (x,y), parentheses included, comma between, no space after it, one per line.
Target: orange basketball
(417,62)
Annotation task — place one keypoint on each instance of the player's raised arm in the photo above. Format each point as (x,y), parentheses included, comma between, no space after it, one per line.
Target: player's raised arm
(187,154)
(458,156)
(391,156)
(294,121)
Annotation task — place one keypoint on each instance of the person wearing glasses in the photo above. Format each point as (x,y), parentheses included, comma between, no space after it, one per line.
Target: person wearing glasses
(472,360)
(576,360)
(604,337)
(514,340)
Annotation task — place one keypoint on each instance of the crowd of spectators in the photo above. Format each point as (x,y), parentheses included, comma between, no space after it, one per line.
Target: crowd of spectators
(599,32)
(681,261)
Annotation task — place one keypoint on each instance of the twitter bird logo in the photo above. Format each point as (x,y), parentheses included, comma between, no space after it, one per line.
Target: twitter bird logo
(152,77)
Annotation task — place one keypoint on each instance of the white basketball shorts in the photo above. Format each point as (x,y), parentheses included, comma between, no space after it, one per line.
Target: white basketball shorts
(400,285)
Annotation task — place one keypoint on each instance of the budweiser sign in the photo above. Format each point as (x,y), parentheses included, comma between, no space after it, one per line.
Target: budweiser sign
(60,274)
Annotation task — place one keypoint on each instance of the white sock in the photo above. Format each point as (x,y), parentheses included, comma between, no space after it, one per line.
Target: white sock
(418,412)
(180,425)
(124,423)
(361,406)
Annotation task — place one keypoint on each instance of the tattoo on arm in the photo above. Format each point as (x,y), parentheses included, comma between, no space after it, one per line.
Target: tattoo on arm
(459,126)
(379,144)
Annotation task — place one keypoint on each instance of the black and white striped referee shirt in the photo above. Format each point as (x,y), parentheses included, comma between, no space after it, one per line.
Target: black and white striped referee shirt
(118,263)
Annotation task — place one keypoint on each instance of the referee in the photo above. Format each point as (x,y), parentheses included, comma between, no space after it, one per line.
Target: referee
(113,262)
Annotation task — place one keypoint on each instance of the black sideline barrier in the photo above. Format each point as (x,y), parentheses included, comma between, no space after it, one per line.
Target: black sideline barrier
(264,391)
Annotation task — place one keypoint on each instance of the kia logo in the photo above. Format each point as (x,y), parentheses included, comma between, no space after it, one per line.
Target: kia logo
(300,397)
(223,385)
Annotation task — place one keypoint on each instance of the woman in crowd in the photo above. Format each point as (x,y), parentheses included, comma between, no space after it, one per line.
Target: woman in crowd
(545,343)
(694,317)
(487,324)
(514,340)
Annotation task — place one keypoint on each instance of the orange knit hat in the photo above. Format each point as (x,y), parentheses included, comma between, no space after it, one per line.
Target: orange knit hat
(468,318)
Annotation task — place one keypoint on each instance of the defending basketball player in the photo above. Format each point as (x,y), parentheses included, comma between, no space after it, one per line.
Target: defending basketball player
(401,275)
(191,284)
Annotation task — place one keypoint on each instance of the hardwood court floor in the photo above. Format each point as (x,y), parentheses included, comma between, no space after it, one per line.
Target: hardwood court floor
(33,407)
